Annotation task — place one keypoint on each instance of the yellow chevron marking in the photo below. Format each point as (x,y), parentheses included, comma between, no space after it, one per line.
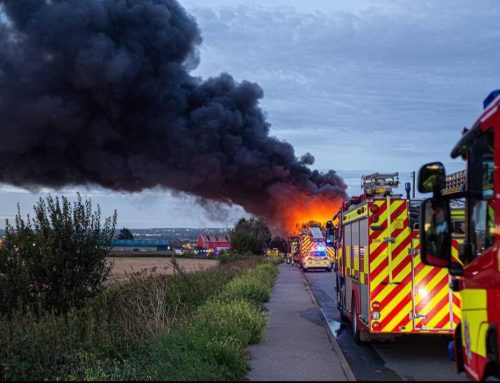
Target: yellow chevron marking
(400,258)
(405,271)
(331,253)
(422,274)
(430,286)
(443,293)
(380,277)
(443,273)
(458,306)
(394,301)
(387,290)
(398,317)
(377,261)
(444,312)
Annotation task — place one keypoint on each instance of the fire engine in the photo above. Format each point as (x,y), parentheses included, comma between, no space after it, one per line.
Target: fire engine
(383,288)
(476,339)
(313,249)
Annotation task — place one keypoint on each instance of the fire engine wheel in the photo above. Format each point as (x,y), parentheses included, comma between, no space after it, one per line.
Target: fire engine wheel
(356,334)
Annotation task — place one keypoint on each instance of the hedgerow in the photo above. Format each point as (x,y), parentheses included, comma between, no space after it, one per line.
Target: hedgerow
(181,327)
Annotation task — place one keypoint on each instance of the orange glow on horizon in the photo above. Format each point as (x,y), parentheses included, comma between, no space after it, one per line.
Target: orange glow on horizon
(304,209)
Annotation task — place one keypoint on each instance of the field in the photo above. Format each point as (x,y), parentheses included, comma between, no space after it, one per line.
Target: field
(124,266)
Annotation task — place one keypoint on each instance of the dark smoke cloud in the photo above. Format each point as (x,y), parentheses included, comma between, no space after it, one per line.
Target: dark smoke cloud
(99,92)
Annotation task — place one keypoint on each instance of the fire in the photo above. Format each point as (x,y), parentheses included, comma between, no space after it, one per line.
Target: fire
(305,208)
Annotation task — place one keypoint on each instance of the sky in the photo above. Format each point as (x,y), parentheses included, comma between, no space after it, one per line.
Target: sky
(364,86)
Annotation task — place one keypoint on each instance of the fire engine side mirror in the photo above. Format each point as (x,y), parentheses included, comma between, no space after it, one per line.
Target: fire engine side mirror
(431,177)
(435,232)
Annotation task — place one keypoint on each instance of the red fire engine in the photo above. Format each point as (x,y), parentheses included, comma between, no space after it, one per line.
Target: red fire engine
(383,288)
(476,339)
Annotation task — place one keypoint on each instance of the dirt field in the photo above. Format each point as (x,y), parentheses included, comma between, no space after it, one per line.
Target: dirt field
(128,265)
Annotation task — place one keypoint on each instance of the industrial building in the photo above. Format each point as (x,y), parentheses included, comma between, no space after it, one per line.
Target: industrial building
(140,245)
(215,242)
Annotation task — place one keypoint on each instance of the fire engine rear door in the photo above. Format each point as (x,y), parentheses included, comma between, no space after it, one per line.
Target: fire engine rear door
(433,303)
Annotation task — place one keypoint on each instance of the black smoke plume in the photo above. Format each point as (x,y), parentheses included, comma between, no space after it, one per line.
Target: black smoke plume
(99,92)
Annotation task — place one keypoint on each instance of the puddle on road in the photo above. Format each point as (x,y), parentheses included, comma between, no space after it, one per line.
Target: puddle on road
(335,326)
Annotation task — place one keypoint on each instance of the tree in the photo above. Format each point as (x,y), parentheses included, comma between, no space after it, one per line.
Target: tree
(279,243)
(55,260)
(250,235)
(125,234)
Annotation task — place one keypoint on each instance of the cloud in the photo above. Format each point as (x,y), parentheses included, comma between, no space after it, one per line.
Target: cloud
(389,84)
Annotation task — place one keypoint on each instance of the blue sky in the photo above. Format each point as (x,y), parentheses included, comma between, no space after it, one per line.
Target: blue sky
(362,87)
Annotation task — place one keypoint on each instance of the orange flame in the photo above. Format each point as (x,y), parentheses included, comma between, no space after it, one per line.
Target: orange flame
(305,208)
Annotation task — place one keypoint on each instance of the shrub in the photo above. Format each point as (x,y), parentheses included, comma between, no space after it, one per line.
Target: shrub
(55,260)
(248,288)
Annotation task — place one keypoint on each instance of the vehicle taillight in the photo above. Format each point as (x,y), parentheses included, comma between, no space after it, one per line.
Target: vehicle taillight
(376,325)
(374,218)
(376,305)
(374,208)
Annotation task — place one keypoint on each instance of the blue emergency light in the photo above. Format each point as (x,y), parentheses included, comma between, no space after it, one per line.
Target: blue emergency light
(487,101)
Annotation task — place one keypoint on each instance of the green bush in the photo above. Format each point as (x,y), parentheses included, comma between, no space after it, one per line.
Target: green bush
(55,260)
(248,288)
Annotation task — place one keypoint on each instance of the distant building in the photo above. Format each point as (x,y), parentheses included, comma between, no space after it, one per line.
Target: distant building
(140,245)
(214,242)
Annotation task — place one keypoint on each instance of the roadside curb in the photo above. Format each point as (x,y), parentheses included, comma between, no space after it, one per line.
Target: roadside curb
(343,361)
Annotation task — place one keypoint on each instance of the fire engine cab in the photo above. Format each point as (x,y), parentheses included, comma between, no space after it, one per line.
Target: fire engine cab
(477,271)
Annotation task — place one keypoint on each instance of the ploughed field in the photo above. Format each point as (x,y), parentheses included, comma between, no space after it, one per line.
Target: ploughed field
(124,267)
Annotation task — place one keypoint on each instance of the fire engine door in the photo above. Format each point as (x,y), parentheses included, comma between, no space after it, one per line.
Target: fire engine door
(431,295)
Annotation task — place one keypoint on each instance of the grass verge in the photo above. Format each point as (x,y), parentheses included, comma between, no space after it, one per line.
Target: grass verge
(180,327)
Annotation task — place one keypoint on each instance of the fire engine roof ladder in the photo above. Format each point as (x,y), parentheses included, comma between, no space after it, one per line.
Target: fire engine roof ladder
(379,183)
(389,240)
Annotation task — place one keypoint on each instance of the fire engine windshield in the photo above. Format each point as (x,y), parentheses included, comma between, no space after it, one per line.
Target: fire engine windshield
(480,182)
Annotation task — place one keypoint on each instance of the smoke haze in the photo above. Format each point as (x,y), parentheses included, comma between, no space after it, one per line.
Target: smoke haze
(100,92)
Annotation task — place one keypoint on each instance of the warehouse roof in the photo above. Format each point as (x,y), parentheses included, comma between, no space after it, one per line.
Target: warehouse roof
(139,242)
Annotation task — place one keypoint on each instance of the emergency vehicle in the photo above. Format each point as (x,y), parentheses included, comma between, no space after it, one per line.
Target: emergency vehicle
(313,250)
(476,339)
(383,288)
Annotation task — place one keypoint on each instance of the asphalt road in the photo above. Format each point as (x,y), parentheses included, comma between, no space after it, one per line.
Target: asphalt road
(408,358)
